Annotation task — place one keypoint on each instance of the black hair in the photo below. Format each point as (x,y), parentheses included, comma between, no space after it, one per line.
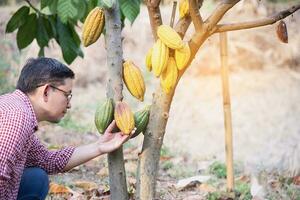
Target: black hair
(39,71)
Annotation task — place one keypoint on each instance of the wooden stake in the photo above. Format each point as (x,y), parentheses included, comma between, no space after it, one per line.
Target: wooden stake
(227,111)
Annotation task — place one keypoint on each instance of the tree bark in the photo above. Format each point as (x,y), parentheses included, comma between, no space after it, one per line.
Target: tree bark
(117,175)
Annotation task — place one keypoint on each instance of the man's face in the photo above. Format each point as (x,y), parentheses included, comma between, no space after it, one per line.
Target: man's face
(59,98)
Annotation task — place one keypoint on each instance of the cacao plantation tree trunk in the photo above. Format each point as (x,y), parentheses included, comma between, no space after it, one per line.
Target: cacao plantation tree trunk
(117,175)
(159,113)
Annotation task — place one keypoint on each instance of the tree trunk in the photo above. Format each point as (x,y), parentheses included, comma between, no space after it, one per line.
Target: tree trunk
(117,175)
(153,140)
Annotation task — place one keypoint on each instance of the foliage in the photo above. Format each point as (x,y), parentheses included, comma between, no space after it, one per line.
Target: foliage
(243,190)
(218,169)
(214,196)
(57,20)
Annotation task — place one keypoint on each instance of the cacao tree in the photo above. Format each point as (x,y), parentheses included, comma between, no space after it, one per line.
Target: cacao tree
(57,20)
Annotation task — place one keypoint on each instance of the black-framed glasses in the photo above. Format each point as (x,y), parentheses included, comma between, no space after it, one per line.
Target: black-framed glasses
(68,95)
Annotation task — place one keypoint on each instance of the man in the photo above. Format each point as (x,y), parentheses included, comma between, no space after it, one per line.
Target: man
(43,93)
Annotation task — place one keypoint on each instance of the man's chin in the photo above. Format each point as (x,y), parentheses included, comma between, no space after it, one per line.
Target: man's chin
(55,121)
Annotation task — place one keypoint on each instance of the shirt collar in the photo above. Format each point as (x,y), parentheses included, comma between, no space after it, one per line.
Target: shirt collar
(29,106)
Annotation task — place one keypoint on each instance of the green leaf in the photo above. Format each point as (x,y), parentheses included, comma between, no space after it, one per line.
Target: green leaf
(81,6)
(108,4)
(91,4)
(77,41)
(66,10)
(53,6)
(52,28)
(68,45)
(42,36)
(41,52)
(45,3)
(17,19)
(27,31)
(130,9)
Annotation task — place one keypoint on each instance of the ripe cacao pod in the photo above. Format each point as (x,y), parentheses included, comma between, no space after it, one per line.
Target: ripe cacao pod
(159,58)
(148,60)
(183,8)
(133,79)
(124,117)
(104,115)
(281,31)
(141,119)
(169,77)
(93,26)
(182,56)
(169,37)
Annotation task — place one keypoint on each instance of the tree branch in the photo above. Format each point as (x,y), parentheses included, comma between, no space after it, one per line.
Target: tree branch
(154,15)
(219,12)
(256,23)
(194,7)
(182,25)
(34,8)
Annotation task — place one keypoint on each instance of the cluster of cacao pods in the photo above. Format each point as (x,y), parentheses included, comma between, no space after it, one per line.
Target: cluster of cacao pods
(125,119)
(93,26)
(162,60)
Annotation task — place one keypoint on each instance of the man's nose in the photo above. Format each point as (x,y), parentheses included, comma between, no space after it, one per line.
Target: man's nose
(69,105)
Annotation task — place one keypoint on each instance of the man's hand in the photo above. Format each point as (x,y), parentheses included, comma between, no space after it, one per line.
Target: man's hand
(109,141)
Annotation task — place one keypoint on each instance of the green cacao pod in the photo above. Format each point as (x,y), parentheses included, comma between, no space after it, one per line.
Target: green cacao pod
(141,119)
(104,115)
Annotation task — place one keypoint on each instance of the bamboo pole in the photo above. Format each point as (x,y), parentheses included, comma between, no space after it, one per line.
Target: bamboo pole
(227,111)
(173,14)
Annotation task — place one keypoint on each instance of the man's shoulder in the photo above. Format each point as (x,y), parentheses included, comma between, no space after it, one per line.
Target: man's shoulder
(11,103)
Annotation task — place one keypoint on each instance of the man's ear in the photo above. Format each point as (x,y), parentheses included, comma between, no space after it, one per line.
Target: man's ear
(45,92)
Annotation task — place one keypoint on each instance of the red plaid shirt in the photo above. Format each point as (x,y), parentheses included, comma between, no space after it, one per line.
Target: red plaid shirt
(19,147)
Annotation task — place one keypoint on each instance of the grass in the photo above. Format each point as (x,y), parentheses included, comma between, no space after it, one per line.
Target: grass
(218,169)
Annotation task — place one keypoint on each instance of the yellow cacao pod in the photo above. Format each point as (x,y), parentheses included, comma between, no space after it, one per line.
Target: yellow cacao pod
(148,60)
(134,80)
(169,37)
(182,56)
(93,26)
(159,58)
(169,77)
(124,117)
(183,8)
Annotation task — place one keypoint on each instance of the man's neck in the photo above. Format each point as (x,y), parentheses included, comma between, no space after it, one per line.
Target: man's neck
(36,107)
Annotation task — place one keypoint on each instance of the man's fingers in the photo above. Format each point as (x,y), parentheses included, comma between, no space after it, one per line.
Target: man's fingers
(111,126)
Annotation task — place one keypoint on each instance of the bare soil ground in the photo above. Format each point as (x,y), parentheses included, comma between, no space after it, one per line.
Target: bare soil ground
(265,96)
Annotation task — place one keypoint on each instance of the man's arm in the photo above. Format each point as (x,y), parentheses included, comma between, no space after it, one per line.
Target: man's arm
(108,142)
(69,157)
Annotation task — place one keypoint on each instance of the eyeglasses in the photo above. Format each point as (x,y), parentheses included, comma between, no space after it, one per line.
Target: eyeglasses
(68,95)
